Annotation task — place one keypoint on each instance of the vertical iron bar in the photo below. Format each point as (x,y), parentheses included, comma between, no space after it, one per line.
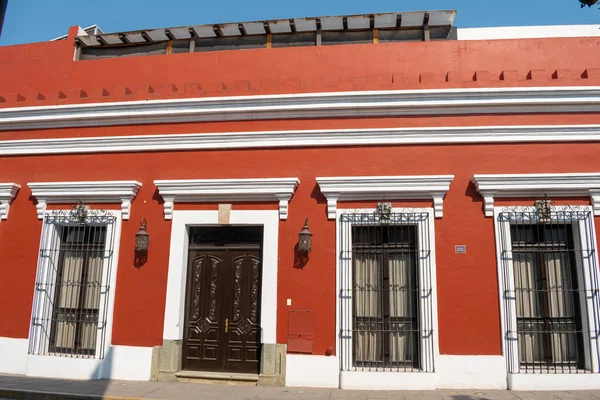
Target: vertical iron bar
(539,290)
(554,310)
(568,297)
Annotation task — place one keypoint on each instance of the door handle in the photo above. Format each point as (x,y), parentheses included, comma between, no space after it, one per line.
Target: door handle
(226,325)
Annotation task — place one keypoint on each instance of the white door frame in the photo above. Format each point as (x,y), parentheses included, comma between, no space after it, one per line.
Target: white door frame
(178,260)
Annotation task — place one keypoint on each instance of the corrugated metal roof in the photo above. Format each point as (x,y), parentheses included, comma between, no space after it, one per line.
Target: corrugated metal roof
(398,20)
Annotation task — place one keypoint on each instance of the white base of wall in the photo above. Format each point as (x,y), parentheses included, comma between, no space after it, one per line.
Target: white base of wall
(554,381)
(312,371)
(121,362)
(13,355)
(471,372)
(452,372)
(130,363)
(358,380)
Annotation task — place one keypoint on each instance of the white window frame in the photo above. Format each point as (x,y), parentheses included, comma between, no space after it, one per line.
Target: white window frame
(424,379)
(47,276)
(590,314)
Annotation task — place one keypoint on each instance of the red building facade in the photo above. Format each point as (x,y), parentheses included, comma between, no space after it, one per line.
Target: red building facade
(451,188)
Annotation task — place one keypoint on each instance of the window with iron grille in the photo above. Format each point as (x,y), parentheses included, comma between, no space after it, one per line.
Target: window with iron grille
(73,285)
(550,283)
(386,292)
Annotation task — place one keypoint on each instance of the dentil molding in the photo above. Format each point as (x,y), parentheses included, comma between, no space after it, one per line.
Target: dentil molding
(385,188)
(122,192)
(492,186)
(308,105)
(8,191)
(227,190)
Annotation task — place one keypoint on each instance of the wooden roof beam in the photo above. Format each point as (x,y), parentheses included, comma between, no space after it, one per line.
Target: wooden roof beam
(426,35)
(146,37)
(169,34)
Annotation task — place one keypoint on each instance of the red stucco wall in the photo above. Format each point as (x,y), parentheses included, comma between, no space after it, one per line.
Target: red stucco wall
(467,284)
(47,68)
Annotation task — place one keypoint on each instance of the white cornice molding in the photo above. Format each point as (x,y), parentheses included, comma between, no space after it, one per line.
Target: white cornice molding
(122,192)
(227,190)
(8,191)
(491,186)
(303,138)
(308,105)
(385,188)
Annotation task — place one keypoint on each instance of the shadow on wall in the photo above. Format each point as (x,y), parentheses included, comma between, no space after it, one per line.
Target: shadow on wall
(300,258)
(102,374)
(96,387)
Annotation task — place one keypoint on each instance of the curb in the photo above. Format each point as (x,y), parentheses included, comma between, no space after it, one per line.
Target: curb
(39,395)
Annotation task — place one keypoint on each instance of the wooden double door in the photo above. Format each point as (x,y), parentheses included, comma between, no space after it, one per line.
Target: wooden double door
(222,321)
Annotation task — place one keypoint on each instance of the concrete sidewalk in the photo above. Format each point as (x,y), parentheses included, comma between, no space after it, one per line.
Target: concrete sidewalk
(20,387)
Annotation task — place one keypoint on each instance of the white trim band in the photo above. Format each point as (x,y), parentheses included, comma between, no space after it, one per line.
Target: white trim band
(308,105)
(385,188)
(91,192)
(531,185)
(303,138)
(225,190)
(8,191)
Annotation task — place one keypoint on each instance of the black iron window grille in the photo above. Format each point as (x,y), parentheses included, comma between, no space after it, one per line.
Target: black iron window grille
(550,278)
(72,284)
(386,292)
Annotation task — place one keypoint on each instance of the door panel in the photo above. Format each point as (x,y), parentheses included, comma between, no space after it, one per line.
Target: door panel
(203,336)
(222,321)
(244,327)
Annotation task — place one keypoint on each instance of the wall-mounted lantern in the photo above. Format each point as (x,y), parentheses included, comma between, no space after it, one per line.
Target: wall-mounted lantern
(142,238)
(305,239)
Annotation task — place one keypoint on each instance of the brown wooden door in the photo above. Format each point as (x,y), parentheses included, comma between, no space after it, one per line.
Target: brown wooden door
(222,330)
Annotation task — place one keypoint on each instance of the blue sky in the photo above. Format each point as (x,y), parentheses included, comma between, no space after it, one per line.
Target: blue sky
(40,20)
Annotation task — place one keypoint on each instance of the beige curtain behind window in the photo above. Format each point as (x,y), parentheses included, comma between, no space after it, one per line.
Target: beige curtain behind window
(91,302)
(367,302)
(528,295)
(401,336)
(564,345)
(70,288)
(367,280)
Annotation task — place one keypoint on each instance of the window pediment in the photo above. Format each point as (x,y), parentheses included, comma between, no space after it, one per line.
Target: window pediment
(122,192)
(385,188)
(492,186)
(8,191)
